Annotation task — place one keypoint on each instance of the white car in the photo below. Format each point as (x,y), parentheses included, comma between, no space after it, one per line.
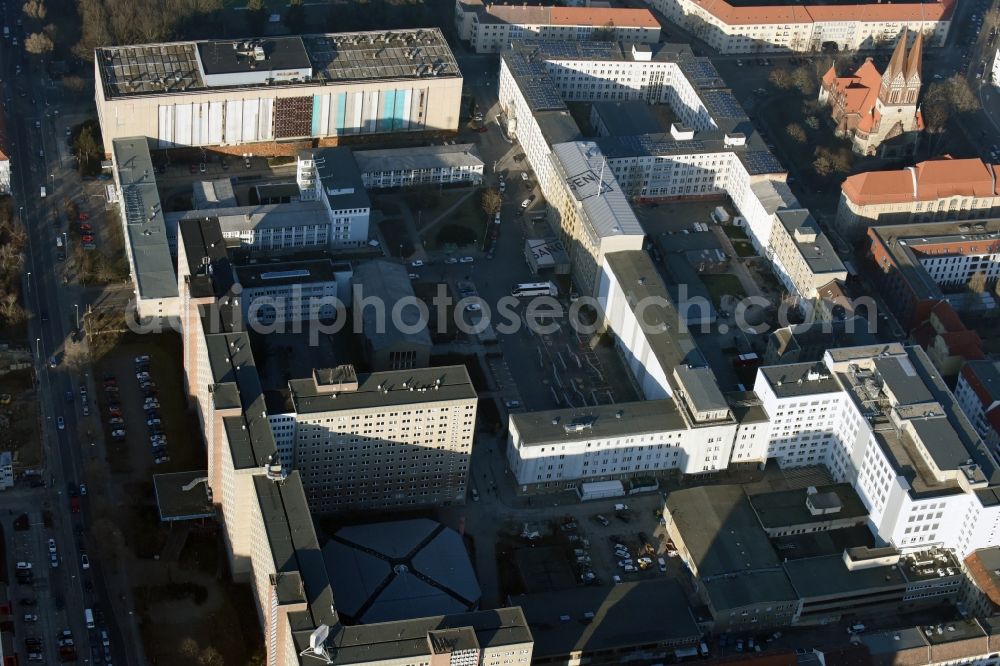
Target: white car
(524,176)
(54,560)
(416,264)
(52,545)
(61,423)
(451,260)
(30,617)
(466,260)
(84,561)
(525,203)
(83,488)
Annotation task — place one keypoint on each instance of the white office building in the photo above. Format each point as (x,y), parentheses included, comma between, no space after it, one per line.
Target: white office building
(447,164)
(711,150)
(760,27)
(882,419)
(490,27)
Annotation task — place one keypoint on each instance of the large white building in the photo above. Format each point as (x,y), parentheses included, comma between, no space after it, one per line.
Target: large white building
(272,95)
(772,27)
(384,440)
(711,151)
(881,418)
(995,69)
(490,27)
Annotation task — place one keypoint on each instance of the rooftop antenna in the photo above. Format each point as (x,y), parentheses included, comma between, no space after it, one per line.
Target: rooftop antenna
(317,645)
(600,180)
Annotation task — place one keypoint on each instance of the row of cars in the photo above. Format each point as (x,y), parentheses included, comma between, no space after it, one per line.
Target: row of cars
(151,408)
(64,641)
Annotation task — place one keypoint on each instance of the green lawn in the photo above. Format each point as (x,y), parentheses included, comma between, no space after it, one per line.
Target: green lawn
(744,249)
(721,284)
(734,232)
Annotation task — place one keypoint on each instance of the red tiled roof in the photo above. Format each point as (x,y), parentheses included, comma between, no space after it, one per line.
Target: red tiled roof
(947,317)
(859,92)
(590,16)
(966,344)
(862,11)
(927,181)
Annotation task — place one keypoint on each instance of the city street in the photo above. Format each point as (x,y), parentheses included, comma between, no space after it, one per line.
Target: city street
(38,115)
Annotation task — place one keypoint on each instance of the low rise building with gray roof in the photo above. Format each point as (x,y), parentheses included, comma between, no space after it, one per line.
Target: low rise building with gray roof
(446,164)
(146,244)
(379,285)
(610,624)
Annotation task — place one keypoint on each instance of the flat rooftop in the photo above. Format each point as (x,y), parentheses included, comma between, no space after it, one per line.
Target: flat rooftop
(589,423)
(417,158)
(145,228)
(181,67)
(814,577)
(671,342)
(406,640)
(386,389)
(720,530)
(183,496)
(788,507)
(800,379)
(592,619)
(289,273)
(811,242)
(606,207)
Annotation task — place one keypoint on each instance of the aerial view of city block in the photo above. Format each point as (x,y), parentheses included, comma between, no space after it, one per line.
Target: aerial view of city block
(498,333)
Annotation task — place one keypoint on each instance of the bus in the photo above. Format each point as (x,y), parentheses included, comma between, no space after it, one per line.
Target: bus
(88,615)
(526,289)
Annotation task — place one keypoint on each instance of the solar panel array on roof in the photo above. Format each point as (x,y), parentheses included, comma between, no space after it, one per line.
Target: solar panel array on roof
(700,71)
(761,161)
(722,104)
(131,70)
(380,55)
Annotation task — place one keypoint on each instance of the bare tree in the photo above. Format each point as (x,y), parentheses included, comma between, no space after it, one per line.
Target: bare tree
(977,283)
(780,78)
(491,201)
(795,131)
(189,648)
(804,79)
(35,9)
(38,43)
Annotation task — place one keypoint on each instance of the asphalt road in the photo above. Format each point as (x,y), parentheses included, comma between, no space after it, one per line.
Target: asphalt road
(40,157)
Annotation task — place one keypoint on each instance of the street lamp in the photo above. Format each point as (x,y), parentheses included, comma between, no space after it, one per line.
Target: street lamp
(76,306)
(28,281)
(38,347)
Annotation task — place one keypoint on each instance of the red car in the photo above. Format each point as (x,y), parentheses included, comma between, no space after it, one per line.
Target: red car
(86,228)
(83,217)
(87,239)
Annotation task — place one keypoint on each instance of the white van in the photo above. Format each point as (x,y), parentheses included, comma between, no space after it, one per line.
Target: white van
(88,615)
(43,192)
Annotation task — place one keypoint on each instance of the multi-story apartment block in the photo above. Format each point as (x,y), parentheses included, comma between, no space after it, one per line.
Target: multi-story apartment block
(558,449)
(978,394)
(262,503)
(425,165)
(278,94)
(383,440)
(4,155)
(931,191)
(995,69)
(881,418)
(802,256)
(879,113)
(490,27)
(917,266)
(764,27)
(711,151)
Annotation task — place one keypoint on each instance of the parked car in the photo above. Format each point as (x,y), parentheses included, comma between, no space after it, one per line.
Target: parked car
(30,617)
(52,545)
(84,562)
(61,423)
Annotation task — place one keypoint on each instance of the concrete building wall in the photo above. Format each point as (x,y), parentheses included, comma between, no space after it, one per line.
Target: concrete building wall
(802,35)
(158,116)
(383,458)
